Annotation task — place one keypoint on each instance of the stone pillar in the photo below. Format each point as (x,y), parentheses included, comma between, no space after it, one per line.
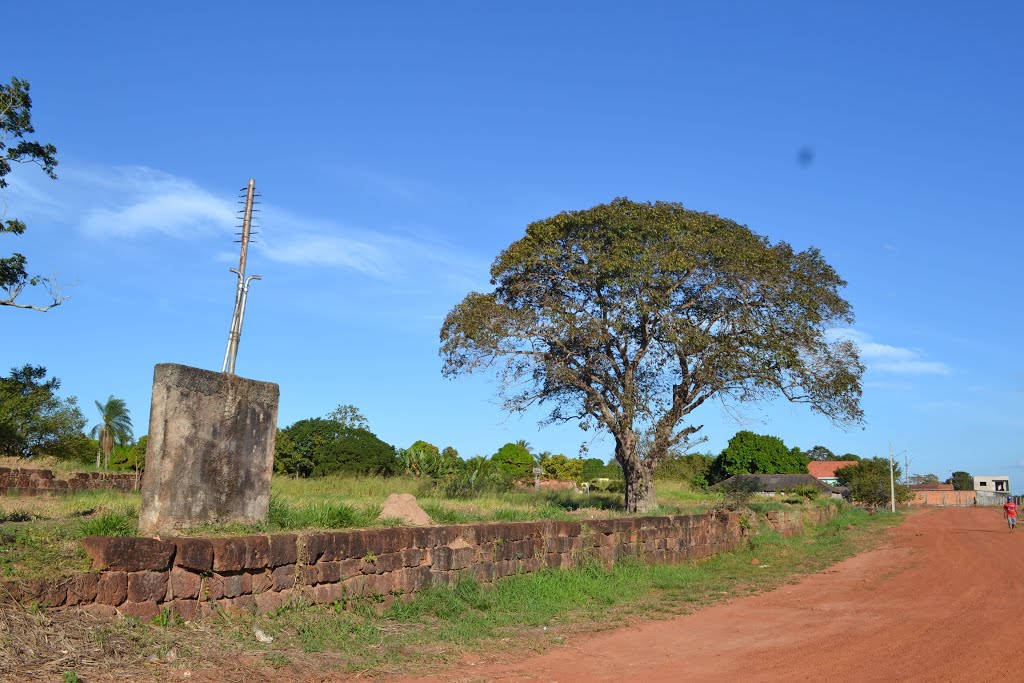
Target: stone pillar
(210,451)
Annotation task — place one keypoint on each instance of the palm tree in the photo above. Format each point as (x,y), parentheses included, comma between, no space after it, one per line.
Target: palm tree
(116,427)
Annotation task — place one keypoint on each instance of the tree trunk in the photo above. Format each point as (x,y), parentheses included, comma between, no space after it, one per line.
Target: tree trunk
(638,474)
(640,495)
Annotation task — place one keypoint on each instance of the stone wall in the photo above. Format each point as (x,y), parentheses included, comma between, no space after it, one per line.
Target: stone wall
(197,576)
(27,481)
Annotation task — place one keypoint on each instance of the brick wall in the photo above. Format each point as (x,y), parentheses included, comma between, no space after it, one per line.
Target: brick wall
(933,497)
(197,576)
(26,481)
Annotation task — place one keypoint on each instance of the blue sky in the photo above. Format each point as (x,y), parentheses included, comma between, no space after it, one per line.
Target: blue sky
(400,147)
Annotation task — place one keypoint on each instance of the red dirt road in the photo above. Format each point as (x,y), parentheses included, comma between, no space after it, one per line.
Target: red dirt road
(938,601)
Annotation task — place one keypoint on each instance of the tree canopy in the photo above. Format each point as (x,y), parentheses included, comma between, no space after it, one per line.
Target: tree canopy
(318,446)
(15,124)
(34,420)
(961,481)
(514,459)
(630,316)
(115,427)
(750,453)
(868,481)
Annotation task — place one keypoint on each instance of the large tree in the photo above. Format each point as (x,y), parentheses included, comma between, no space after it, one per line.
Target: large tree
(34,420)
(961,481)
(872,483)
(633,315)
(15,124)
(318,447)
(750,453)
(115,427)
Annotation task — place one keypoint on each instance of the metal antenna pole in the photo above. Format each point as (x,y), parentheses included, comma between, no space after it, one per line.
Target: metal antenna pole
(242,289)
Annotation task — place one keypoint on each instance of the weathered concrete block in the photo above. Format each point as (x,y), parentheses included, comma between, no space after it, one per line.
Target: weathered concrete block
(210,451)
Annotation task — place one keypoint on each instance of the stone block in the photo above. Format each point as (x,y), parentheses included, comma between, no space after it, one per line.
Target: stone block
(185,584)
(283,577)
(328,572)
(262,581)
(257,552)
(194,553)
(147,586)
(282,550)
(99,610)
(272,600)
(143,611)
(112,588)
(210,451)
(325,594)
(222,586)
(82,589)
(128,554)
(188,610)
(229,554)
(308,575)
(412,557)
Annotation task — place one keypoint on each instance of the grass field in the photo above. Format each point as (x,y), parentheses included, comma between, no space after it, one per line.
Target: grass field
(39,535)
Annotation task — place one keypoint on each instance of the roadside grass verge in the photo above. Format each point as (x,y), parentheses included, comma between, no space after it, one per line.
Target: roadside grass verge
(537,610)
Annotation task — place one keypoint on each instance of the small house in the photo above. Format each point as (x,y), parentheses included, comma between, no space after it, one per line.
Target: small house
(781,484)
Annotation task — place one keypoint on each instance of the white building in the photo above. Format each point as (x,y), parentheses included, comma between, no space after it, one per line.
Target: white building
(991,489)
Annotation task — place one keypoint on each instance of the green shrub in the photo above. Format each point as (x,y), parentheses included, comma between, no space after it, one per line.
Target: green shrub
(805,491)
(110,524)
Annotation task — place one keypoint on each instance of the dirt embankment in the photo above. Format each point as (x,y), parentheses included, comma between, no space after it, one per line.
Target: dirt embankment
(936,602)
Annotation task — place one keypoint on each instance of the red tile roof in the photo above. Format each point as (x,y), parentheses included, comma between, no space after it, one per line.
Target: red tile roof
(826,469)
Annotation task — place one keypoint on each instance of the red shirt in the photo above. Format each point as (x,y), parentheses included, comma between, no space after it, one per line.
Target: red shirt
(1011,509)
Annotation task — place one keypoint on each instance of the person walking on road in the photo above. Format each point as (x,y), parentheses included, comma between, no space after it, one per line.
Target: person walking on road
(1010,510)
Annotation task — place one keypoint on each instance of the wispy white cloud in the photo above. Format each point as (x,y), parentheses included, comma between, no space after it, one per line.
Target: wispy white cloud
(167,205)
(887,358)
(136,202)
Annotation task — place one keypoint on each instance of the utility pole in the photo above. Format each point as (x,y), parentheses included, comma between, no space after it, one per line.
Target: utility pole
(892,482)
(242,290)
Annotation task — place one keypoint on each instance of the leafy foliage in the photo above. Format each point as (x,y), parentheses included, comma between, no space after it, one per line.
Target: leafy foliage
(922,479)
(318,446)
(479,477)
(693,468)
(737,492)
(115,427)
(750,453)
(349,416)
(34,420)
(961,481)
(594,468)
(15,124)
(558,466)
(869,482)
(630,316)
(423,459)
(514,459)
(805,491)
